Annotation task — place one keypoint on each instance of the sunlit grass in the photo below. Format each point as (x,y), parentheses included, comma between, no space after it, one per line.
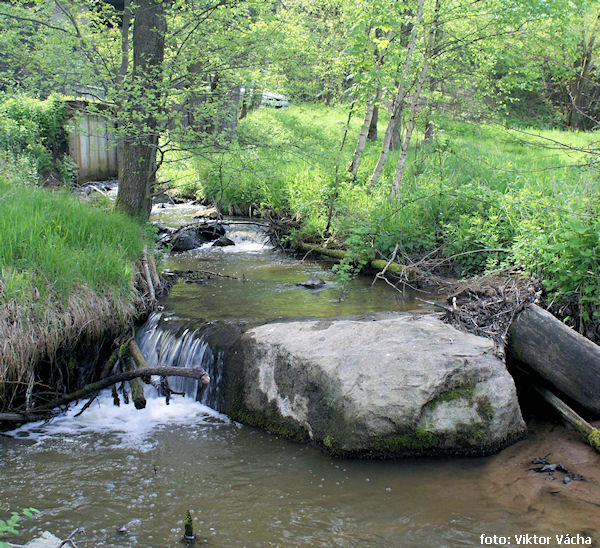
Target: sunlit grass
(51,242)
(532,193)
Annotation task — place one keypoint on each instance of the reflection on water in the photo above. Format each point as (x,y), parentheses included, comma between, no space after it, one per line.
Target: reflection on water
(265,285)
(144,469)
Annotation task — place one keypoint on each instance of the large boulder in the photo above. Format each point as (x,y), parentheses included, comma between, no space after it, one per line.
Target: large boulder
(395,386)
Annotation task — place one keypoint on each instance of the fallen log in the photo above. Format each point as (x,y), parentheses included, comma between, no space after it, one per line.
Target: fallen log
(153,272)
(20,417)
(567,360)
(136,354)
(191,372)
(147,276)
(591,434)
(410,273)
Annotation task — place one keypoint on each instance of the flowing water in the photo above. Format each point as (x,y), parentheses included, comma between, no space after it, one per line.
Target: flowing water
(115,467)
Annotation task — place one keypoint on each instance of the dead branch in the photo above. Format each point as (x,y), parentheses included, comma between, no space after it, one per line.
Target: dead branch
(147,276)
(192,373)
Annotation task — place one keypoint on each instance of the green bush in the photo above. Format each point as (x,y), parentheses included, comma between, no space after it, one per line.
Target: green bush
(485,197)
(34,128)
(11,525)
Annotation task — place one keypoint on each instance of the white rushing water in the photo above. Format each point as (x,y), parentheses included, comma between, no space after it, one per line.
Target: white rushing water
(162,345)
(129,476)
(129,426)
(252,238)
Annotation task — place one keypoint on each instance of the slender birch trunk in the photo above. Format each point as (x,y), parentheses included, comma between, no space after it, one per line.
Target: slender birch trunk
(398,105)
(400,167)
(372,135)
(364,133)
(366,129)
(409,129)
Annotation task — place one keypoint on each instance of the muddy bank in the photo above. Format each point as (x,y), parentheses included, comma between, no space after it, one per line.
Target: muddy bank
(571,508)
(56,351)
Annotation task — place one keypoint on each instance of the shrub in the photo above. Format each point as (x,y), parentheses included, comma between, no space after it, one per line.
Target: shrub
(34,128)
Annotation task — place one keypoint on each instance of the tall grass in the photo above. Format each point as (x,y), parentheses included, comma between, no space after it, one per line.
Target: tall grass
(67,272)
(51,243)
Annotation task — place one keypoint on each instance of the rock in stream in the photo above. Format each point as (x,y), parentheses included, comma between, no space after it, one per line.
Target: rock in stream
(394,386)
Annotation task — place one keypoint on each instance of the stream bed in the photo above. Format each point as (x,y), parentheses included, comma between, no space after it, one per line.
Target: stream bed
(117,468)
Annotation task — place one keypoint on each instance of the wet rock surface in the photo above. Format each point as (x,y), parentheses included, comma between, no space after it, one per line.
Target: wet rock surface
(394,386)
(192,236)
(223,241)
(314,282)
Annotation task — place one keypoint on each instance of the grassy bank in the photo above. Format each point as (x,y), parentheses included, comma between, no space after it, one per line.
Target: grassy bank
(479,197)
(67,277)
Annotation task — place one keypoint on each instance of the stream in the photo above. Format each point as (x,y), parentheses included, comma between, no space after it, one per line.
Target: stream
(139,471)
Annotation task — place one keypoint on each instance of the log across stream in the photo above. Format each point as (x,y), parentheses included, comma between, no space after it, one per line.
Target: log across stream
(142,469)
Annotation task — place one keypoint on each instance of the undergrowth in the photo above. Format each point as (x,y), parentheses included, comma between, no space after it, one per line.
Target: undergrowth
(480,196)
(52,242)
(37,130)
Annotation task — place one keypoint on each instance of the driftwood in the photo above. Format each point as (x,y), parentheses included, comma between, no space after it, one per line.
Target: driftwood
(21,417)
(136,386)
(44,411)
(191,372)
(591,434)
(136,354)
(558,354)
(147,276)
(153,271)
(408,272)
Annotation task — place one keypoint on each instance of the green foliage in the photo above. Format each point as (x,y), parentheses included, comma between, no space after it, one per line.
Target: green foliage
(488,198)
(10,526)
(561,244)
(35,129)
(52,242)
(281,162)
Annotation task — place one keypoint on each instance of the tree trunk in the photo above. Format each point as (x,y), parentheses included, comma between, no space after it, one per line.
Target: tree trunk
(228,118)
(138,177)
(372,135)
(558,354)
(125,25)
(362,140)
(578,108)
(144,103)
(429,132)
(414,105)
(410,127)
(398,105)
(368,130)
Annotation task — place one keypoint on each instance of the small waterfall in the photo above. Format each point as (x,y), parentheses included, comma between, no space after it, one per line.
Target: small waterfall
(165,341)
(248,236)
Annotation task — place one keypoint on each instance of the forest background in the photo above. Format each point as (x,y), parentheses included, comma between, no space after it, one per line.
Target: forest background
(452,135)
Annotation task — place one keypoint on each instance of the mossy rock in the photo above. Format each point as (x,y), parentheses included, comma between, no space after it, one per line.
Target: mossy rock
(396,386)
